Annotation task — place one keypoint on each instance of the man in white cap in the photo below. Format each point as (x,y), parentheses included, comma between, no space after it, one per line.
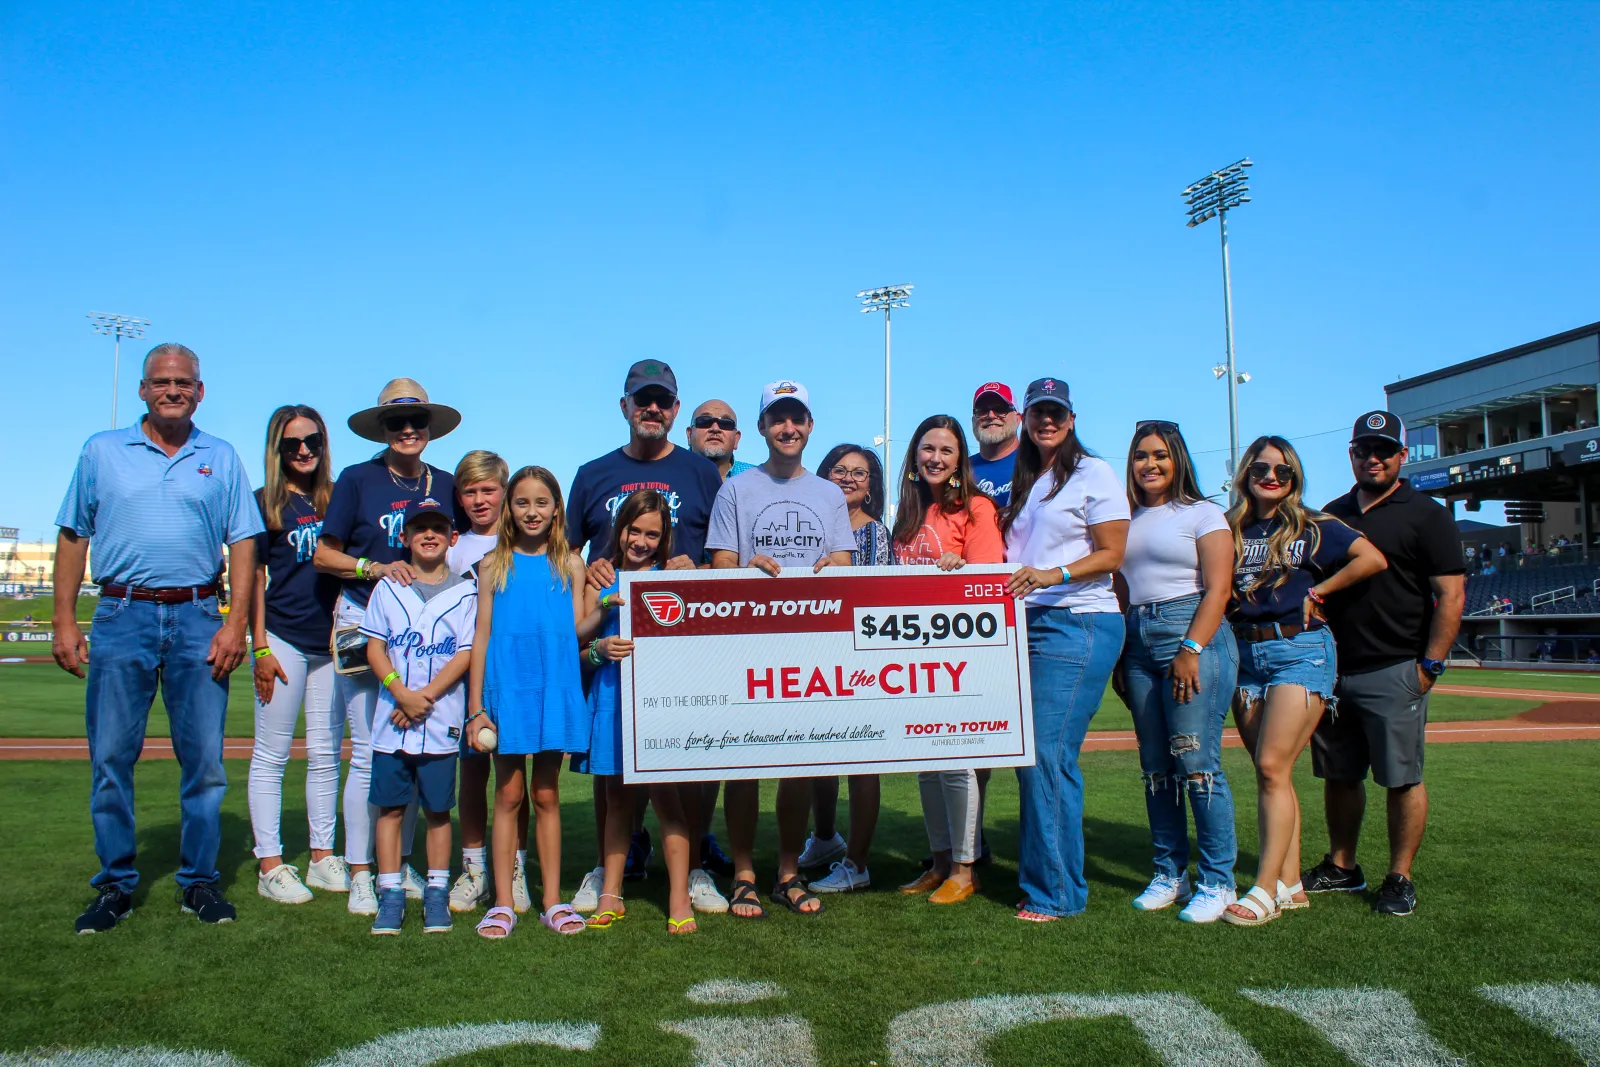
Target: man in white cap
(770,517)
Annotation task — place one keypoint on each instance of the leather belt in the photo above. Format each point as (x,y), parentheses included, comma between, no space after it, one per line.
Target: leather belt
(174,595)
(1271,632)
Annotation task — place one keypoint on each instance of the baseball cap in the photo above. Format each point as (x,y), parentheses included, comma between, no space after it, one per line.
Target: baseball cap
(784,389)
(648,372)
(1384,424)
(999,389)
(429,509)
(1042,389)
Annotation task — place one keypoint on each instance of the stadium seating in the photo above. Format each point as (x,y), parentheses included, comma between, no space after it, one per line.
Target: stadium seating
(1522,585)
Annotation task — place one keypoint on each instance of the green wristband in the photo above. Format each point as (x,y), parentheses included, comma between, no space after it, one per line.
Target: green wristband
(262,652)
(361,567)
(391,676)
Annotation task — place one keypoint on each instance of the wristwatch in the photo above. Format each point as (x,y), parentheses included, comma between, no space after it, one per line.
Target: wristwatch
(1435,667)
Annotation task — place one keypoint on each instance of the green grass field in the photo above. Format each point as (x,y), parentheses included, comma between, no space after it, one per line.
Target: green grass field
(40,607)
(292,985)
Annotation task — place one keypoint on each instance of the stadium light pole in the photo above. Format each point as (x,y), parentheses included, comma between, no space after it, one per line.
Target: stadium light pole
(117,326)
(885,299)
(1213,197)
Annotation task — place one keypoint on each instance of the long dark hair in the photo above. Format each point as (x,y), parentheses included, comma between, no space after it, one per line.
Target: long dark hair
(1185,489)
(915,494)
(275,490)
(1027,471)
(873,504)
(638,503)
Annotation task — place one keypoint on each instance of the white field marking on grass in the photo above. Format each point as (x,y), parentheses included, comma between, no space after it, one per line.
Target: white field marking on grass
(434,1044)
(148,1056)
(775,1041)
(1372,1027)
(732,991)
(1177,1027)
(1569,1010)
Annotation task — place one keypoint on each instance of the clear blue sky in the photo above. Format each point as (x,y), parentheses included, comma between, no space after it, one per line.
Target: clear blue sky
(512,202)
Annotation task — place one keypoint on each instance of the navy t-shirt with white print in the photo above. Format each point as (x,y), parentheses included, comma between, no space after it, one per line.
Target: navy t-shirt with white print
(994,477)
(299,599)
(368,513)
(1266,605)
(689,482)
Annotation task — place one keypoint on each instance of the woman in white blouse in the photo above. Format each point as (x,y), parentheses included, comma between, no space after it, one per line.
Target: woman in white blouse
(1066,529)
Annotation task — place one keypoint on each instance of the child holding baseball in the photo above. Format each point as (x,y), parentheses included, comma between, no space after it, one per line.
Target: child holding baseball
(419,645)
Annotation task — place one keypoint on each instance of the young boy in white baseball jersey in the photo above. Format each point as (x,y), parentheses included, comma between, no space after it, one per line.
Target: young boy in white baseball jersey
(420,640)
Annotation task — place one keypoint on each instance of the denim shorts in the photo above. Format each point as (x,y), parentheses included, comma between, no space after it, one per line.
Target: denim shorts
(1307,659)
(398,778)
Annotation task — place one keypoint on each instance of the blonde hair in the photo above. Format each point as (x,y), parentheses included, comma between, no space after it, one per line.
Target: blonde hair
(480,465)
(1297,519)
(497,565)
(275,488)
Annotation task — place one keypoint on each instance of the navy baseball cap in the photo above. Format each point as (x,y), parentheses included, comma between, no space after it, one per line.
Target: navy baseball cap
(1381,424)
(648,372)
(1042,389)
(429,509)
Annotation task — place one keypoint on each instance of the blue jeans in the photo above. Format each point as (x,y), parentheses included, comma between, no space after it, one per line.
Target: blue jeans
(1070,656)
(137,645)
(1180,745)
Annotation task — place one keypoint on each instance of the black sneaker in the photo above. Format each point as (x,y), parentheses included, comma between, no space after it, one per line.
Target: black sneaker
(205,902)
(1329,877)
(639,855)
(1397,896)
(109,908)
(713,859)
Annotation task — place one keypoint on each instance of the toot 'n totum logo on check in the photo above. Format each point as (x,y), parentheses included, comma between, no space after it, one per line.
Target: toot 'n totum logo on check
(665,608)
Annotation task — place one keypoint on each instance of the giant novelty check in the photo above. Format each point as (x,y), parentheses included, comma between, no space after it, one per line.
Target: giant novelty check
(859,670)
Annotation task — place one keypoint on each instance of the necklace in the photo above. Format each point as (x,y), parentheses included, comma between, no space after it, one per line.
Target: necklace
(416,485)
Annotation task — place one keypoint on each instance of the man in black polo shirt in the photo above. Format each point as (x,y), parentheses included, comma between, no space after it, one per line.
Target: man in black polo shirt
(1394,633)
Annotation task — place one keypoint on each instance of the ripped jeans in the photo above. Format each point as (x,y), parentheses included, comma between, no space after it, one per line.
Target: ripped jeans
(1180,745)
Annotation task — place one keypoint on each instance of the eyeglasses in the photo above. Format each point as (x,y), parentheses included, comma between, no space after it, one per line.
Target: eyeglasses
(1156,426)
(1282,473)
(654,398)
(705,422)
(182,385)
(1365,450)
(850,474)
(413,420)
(291,446)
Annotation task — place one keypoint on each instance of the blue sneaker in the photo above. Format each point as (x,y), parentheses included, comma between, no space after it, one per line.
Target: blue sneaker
(435,910)
(391,911)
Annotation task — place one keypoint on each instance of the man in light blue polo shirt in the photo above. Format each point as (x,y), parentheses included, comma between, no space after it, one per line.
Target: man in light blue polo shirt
(158,501)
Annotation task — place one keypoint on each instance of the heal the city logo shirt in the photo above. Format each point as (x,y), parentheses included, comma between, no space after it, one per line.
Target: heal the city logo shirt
(793,520)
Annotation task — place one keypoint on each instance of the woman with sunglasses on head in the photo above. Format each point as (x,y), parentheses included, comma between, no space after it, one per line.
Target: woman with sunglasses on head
(291,619)
(361,542)
(1179,666)
(1066,529)
(1289,559)
(855,470)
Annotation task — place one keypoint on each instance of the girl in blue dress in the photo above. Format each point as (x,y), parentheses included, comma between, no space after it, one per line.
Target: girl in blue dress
(641,540)
(525,683)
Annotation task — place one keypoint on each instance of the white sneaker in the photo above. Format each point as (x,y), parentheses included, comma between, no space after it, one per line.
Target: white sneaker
(843,877)
(411,882)
(331,873)
(820,852)
(363,894)
(283,884)
(1208,904)
(587,899)
(703,893)
(521,902)
(1163,891)
(470,890)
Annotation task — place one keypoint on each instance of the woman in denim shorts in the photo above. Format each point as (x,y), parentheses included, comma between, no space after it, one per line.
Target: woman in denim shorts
(1179,665)
(1289,558)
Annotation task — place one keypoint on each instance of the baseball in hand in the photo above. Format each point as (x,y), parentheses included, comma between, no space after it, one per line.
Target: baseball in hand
(488,739)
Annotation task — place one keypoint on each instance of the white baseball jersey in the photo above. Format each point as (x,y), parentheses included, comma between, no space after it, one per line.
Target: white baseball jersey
(422,636)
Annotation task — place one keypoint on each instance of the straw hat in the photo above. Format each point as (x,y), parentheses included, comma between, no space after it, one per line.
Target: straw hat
(402,396)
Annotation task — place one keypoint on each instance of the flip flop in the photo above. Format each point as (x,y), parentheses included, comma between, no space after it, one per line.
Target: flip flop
(563,920)
(1036,916)
(497,923)
(781,891)
(744,892)
(676,926)
(605,920)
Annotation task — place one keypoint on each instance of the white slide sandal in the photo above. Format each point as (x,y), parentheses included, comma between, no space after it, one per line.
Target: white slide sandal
(1259,903)
(1286,901)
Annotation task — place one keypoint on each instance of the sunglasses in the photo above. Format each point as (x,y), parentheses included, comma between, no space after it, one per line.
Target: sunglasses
(1282,473)
(654,398)
(705,422)
(415,420)
(1384,450)
(1156,426)
(290,447)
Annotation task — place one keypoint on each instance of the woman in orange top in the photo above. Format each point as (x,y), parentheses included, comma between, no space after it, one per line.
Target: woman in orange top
(943,520)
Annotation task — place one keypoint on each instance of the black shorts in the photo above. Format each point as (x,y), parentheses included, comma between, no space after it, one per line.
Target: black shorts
(1379,723)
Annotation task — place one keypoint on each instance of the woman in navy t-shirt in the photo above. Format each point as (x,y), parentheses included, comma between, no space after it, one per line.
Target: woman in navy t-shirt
(1288,558)
(362,542)
(291,618)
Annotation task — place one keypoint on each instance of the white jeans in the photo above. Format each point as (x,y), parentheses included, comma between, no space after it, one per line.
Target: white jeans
(950,812)
(356,696)
(310,683)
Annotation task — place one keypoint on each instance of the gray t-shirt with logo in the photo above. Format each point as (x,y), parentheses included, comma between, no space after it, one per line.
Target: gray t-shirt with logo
(793,520)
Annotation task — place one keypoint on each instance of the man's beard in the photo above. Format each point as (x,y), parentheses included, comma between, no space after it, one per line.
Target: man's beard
(715,451)
(649,431)
(992,436)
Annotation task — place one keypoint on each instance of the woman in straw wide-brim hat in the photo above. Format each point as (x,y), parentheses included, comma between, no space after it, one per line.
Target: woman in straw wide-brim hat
(361,542)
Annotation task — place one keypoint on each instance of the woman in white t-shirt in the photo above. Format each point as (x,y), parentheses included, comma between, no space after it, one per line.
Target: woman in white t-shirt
(1066,529)
(1179,667)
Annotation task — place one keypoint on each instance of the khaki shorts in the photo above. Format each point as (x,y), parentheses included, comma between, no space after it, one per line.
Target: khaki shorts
(1379,724)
